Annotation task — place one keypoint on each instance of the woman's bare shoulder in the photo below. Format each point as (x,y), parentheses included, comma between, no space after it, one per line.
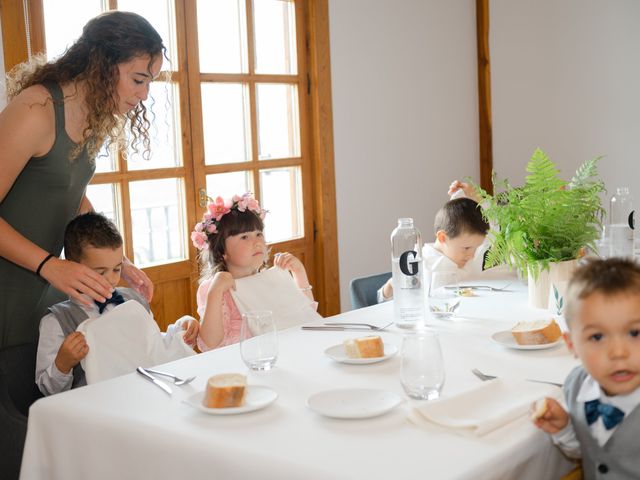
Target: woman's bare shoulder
(29,116)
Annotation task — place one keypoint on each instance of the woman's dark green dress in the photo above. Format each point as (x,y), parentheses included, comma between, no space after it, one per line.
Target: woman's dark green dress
(44,198)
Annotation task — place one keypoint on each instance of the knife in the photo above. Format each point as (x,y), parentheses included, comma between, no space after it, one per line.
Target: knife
(321,328)
(153,379)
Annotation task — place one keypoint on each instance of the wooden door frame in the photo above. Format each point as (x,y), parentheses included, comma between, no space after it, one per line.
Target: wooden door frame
(484,95)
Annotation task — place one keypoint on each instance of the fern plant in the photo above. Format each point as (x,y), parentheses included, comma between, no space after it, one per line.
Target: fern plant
(547,219)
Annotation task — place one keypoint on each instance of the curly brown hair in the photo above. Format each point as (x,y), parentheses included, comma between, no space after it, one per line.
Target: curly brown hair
(107,40)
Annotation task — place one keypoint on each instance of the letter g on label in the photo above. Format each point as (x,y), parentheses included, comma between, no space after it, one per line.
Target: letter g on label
(409,267)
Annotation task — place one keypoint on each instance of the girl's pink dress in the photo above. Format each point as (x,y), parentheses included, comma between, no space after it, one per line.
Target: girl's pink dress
(231,317)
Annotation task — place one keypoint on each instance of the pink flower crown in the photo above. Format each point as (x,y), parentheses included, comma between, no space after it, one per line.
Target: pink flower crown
(218,208)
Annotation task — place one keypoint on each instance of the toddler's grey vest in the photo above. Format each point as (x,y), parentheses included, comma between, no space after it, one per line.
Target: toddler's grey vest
(619,458)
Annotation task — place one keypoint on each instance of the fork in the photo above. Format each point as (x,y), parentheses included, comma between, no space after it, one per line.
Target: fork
(368,325)
(176,380)
(480,287)
(484,377)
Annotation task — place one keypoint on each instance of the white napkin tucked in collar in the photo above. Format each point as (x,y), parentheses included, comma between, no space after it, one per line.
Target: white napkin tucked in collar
(485,408)
(124,338)
(274,289)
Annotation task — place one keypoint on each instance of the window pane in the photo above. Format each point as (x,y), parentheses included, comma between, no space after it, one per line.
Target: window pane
(158,221)
(164,105)
(106,161)
(104,198)
(225,123)
(61,28)
(226,185)
(275,36)
(282,195)
(160,14)
(278,124)
(222,36)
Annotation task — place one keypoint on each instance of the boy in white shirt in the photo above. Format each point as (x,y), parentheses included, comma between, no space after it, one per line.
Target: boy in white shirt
(602,395)
(460,244)
(92,240)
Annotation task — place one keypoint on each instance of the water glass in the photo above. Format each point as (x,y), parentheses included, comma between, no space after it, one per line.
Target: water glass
(422,367)
(258,340)
(443,294)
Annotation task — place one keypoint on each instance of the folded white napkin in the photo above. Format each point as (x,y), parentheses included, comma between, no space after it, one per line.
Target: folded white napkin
(484,408)
(274,289)
(125,338)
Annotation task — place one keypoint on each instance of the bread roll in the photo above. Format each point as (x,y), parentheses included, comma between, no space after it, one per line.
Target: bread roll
(365,347)
(225,390)
(537,332)
(539,408)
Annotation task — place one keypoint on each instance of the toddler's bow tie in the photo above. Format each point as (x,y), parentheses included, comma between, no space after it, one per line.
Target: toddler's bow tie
(116,299)
(611,416)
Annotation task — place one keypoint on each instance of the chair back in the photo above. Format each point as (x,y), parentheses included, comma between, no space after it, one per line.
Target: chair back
(363,290)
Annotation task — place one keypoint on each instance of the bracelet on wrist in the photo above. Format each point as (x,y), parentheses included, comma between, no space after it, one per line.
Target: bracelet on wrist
(306,289)
(46,259)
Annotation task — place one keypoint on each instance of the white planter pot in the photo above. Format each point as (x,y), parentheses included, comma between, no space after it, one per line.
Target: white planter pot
(559,275)
(539,289)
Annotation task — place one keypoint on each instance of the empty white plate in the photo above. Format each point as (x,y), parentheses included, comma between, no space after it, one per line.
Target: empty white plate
(256,397)
(353,402)
(338,354)
(505,338)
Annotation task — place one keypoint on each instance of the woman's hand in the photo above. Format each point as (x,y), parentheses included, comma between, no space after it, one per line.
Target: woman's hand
(137,279)
(75,279)
(73,349)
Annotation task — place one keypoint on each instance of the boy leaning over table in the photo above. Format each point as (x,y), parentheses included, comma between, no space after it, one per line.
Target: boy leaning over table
(92,240)
(602,424)
(460,243)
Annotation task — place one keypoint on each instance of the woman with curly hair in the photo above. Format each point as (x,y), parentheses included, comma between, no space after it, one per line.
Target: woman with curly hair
(58,117)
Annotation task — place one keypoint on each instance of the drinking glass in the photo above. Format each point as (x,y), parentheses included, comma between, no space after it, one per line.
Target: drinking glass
(258,340)
(422,368)
(443,294)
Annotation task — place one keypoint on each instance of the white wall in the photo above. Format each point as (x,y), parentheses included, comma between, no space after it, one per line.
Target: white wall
(405,119)
(566,77)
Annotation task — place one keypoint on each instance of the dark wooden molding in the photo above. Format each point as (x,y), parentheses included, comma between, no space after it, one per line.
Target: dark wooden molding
(326,228)
(484,95)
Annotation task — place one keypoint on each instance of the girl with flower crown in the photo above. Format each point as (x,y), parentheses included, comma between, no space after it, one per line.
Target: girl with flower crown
(232,246)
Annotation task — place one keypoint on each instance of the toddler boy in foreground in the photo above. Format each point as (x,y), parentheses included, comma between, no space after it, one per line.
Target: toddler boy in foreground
(602,423)
(92,240)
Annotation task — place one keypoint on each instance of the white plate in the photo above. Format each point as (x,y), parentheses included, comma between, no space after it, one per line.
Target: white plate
(505,339)
(353,402)
(256,397)
(338,354)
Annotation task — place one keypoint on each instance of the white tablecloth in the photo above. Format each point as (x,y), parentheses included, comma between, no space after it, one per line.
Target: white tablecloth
(127,428)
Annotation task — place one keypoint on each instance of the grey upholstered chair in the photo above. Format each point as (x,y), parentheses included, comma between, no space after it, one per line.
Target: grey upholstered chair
(363,290)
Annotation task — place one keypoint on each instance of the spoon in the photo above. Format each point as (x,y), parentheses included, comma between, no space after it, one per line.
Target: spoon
(176,380)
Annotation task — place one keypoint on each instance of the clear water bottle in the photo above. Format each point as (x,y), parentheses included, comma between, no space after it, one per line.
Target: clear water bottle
(621,223)
(406,267)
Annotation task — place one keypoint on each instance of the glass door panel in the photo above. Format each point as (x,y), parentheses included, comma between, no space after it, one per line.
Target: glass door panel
(227,184)
(158,219)
(278,121)
(275,37)
(163,110)
(225,120)
(222,36)
(61,27)
(282,196)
